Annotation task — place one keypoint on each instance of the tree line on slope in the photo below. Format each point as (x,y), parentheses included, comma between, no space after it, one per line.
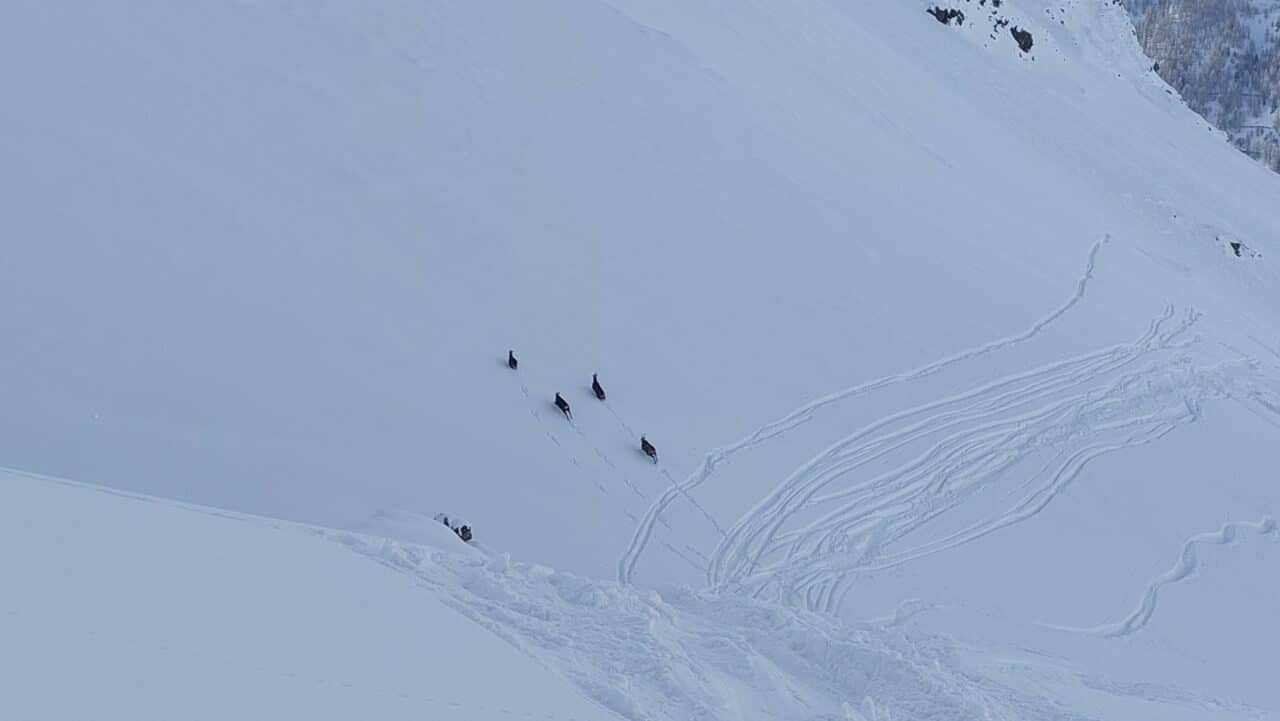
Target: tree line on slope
(1223,57)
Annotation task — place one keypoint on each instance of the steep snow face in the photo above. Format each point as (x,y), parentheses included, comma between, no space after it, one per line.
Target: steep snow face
(918,321)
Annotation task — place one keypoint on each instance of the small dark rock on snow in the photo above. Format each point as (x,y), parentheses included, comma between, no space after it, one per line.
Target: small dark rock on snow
(1023,38)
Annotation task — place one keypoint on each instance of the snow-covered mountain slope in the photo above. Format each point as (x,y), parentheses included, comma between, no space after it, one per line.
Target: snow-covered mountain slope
(123,606)
(924,327)
(271,256)
(256,618)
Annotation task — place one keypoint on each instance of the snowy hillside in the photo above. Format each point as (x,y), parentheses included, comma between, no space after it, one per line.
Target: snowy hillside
(961,361)
(262,619)
(132,607)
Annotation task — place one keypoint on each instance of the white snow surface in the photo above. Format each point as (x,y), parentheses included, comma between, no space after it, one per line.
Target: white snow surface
(962,363)
(119,606)
(256,618)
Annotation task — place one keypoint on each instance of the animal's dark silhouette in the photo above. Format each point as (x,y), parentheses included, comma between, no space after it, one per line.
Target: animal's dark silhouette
(563,405)
(512,363)
(595,386)
(648,449)
(462,529)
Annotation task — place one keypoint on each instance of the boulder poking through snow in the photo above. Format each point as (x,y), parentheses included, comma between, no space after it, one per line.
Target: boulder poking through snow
(946,15)
(1241,250)
(1023,38)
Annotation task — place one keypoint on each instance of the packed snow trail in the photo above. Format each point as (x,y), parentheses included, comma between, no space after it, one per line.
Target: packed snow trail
(644,530)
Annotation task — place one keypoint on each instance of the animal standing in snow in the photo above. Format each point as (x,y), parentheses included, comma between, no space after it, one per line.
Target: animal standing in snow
(512,363)
(648,449)
(563,405)
(596,387)
(462,529)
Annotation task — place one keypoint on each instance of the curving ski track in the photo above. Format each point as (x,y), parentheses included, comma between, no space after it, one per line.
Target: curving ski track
(644,531)
(1187,565)
(991,429)
(1075,411)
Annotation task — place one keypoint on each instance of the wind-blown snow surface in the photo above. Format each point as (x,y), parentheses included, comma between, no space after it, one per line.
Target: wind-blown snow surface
(924,328)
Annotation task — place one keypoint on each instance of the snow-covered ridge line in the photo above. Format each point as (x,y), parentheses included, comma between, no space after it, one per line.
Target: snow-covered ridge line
(160,500)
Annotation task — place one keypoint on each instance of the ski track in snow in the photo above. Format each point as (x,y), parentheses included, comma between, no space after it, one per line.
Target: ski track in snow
(1076,410)
(644,531)
(987,438)
(981,402)
(1187,566)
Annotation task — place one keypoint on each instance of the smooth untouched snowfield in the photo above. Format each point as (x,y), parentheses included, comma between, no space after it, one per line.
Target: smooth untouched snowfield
(949,357)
